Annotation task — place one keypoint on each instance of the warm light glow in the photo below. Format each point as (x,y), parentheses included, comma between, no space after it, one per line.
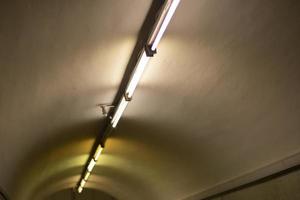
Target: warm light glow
(79,190)
(137,73)
(98,152)
(141,64)
(156,35)
(91,165)
(165,23)
(120,109)
(82,183)
(87,175)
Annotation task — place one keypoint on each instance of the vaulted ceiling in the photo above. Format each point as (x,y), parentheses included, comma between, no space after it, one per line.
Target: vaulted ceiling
(220,99)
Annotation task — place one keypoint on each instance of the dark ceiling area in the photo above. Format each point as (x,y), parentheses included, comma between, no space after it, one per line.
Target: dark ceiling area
(217,107)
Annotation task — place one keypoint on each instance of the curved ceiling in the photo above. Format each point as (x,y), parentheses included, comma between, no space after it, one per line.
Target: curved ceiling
(220,99)
(88,194)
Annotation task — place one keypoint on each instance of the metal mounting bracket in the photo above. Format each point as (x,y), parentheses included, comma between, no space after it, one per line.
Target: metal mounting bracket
(105,108)
(149,51)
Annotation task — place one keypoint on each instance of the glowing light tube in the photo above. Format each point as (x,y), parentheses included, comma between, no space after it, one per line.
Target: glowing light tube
(137,74)
(143,60)
(98,152)
(155,37)
(91,165)
(120,109)
(165,23)
(86,175)
(82,183)
(79,189)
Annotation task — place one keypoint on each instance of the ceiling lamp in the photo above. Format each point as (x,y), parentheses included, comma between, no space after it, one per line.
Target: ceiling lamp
(148,51)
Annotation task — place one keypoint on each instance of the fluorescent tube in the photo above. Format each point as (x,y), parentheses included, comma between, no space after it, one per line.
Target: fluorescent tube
(155,37)
(86,175)
(79,190)
(143,60)
(98,152)
(137,74)
(82,183)
(141,64)
(120,109)
(165,23)
(91,165)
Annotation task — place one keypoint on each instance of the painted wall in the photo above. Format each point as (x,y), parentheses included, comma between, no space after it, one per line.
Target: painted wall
(286,187)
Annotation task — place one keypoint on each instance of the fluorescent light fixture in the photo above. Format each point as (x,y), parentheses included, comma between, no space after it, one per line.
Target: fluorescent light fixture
(91,165)
(79,190)
(98,152)
(165,23)
(86,175)
(137,74)
(120,109)
(82,183)
(148,51)
(143,60)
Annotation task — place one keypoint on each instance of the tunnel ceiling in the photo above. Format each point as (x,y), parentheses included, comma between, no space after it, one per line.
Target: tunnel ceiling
(220,99)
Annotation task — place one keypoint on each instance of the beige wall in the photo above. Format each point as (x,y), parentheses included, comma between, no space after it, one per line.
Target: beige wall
(284,188)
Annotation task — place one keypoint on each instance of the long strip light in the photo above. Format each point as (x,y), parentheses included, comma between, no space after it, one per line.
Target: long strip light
(148,51)
(79,190)
(170,12)
(86,175)
(90,166)
(154,39)
(120,109)
(82,183)
(137,74)
(98,152)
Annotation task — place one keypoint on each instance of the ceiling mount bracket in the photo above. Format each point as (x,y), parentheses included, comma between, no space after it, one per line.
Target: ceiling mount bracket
(105,108)
(149,51)
(127,98)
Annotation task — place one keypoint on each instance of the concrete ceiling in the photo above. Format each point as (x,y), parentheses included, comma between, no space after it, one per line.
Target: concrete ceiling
(221,98)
